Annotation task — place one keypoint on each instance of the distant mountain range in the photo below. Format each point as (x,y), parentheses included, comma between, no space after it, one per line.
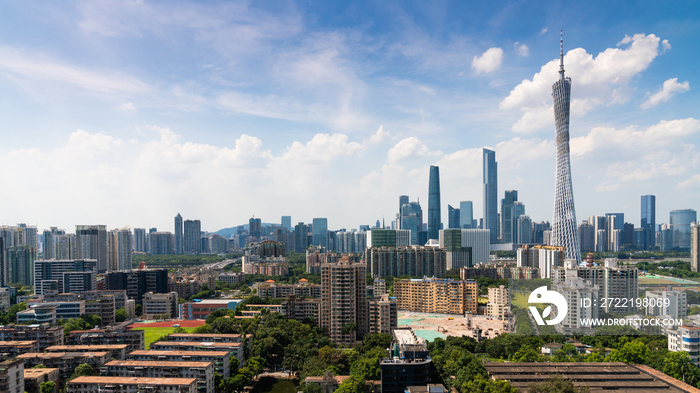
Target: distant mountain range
(227,232)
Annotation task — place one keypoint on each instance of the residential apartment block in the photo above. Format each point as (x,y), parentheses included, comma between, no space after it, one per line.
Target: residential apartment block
(445,296)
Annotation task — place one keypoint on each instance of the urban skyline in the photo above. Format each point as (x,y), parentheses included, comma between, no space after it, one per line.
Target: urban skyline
(351,113)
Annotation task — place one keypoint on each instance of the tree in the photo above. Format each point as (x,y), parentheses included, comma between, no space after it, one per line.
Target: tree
(83,370)
(486,385)
(354,384)
(632,352)
(47,387)
(121,315)
(312,388)
(594,357)
(234,384)
(138,310)
(366,368)
(234,364)
(527,354)
(680,366)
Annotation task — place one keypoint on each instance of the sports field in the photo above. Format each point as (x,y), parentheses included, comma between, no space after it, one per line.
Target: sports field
(154,333)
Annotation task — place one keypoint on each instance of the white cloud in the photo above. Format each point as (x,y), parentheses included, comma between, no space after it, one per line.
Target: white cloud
(409,147)
(670,88)
(38,69)
(489,61)
(693,181)
(607,140)
(543,31)
(522,49)
(380,136)
(596,81)
(127,106)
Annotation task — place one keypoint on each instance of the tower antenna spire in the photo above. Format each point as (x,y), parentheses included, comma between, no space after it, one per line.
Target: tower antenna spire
(561,54)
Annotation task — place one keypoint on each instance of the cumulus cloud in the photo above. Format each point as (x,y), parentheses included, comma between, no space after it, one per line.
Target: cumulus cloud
(604,140)
(409,147)
(489,61)
(522,49)
(600,80)
(380,136)
(670,88)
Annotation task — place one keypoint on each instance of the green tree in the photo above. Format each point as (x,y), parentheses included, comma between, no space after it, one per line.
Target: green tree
(234,384)
(486,385)
(312,388)
(234,364)
(354,384)
(121,315)
(138,310)
(594,357)
(680,366)
(367,368)
(526,353)
(632,352)
(83,370)
(47,387)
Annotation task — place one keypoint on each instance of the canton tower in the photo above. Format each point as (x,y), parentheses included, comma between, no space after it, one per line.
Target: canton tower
(564,230)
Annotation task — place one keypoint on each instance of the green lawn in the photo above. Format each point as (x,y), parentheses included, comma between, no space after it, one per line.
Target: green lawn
(154,333)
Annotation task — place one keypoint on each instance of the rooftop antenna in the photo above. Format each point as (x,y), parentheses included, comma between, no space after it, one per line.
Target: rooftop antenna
(561,54)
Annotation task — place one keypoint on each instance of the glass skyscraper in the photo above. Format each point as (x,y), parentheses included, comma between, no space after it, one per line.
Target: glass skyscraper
(648,223)
(320,232)
(491,194)
(508,222)
(178,234)
(680,221)
(564,228)
(466,215)
(287,222)
(434,218)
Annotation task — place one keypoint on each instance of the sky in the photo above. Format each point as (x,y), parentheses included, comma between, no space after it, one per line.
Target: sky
(129,112)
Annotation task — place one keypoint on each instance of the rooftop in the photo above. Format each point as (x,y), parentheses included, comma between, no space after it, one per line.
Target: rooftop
(178,353)
(133,381)
(16,343)
(158,363)
(55,355)
(195,344)
(37,372)
(605,375)
(68,348)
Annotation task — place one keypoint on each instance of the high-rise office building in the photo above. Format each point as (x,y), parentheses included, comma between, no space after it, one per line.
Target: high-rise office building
(517,210)
(524,230)
(490,194)
(138,282)
(695,247)
(457,256)
(648,223)
(614,221)
(403,200)
(3,265)
(255,228)
(287,222)
(192,243)
(586,233)
(91,243)
(301,231)
(453,218)
(466,215)
(320,231)
(564,229)
(140,242)
(50,273)
(434,215)
(507,220)
(680,221)
(411,218)
(178,234)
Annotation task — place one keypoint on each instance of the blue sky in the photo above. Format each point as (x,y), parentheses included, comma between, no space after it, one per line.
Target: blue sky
(126,113)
